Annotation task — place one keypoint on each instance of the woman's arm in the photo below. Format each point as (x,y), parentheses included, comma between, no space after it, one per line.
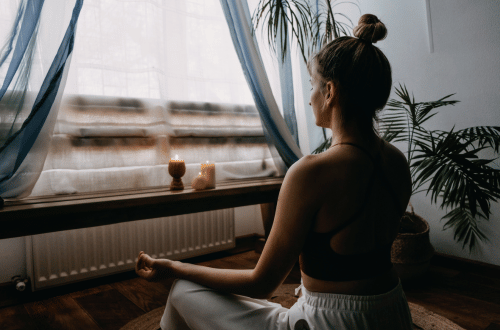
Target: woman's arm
(237,281)
(298,204)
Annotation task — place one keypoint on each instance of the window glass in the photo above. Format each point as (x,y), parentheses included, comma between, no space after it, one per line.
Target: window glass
(178,50)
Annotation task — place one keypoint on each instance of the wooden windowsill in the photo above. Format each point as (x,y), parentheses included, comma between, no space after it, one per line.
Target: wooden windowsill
(44,214)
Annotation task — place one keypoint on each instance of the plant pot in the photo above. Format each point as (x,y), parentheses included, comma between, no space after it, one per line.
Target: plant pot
(412,251)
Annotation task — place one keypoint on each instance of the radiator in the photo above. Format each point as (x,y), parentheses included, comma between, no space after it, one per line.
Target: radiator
(74,255)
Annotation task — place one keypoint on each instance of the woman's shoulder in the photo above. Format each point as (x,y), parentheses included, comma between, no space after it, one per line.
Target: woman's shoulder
(394,153)
(396,166)
(345,157)
(339,166)
(344,161)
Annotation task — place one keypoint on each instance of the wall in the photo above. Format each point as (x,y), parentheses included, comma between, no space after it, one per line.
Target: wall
(465,61)
(13,258)
(248,220)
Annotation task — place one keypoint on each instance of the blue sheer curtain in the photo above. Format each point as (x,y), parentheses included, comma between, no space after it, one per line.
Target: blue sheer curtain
(35,74)
(287,91)
(281,135)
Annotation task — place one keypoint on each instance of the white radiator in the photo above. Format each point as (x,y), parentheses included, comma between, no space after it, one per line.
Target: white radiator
(74,255)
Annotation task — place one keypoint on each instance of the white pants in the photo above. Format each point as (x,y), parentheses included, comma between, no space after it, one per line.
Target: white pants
(193,306)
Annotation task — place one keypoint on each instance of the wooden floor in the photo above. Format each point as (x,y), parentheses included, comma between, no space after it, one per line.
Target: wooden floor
(467,295)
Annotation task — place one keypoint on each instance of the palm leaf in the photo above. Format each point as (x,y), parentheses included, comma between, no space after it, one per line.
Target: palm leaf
(325,26)
(391,134)
(464,227)
(325,145)
(483,135)
(419,112)
(393,124)
(281,18)
(294,19)
(423,109)
(450,163)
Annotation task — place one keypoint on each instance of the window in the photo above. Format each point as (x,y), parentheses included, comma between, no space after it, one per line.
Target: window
(149,80)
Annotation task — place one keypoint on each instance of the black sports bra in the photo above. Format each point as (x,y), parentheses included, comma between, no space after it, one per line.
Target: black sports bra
(319,261)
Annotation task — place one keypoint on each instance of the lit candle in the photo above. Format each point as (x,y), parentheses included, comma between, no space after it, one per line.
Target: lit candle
(176,162)
(209,171)
(176,168)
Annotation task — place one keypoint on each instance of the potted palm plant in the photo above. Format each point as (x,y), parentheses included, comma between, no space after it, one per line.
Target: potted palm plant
(446,165)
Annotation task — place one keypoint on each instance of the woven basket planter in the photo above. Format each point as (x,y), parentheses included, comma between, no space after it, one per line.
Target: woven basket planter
(412,251)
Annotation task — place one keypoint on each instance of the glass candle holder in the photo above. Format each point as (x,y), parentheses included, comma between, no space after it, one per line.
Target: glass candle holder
(209,171)
(177,169)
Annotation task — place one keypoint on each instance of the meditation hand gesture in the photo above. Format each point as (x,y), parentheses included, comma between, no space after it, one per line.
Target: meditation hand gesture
(153,270)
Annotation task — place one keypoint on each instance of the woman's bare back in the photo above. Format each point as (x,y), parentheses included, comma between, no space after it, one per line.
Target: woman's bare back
(346,171)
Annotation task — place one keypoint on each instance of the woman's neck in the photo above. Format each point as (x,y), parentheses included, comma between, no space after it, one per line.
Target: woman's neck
(353,134)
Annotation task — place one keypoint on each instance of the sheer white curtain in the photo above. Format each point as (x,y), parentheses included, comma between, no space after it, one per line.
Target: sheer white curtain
(132,62)
(166,49)
(301,87)
(35,54)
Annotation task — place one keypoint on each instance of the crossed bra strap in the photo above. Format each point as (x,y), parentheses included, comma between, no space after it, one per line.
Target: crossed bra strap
(382,176)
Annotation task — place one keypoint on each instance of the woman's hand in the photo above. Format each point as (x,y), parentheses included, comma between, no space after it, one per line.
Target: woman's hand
(153,270)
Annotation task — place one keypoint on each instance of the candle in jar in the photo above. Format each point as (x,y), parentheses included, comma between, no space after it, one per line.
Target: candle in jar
(209,171)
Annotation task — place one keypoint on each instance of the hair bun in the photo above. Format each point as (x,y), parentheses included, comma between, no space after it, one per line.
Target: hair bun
(370,28)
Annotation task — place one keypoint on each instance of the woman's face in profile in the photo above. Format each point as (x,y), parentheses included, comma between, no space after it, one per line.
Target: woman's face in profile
(317,101)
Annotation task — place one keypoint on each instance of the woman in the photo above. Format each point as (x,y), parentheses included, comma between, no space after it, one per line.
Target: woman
(338,212)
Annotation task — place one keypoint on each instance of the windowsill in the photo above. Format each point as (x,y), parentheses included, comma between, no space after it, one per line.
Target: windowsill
(44,214)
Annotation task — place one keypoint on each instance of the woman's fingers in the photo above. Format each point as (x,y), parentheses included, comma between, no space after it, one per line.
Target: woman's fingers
(148,261)
(144,267)
(142,264)
(138,265)
(145,274)
(152,269)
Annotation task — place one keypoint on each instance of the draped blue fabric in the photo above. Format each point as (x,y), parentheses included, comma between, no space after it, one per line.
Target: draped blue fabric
(277,133)
(8,47)
(286,82)
(15,149)
(31,11)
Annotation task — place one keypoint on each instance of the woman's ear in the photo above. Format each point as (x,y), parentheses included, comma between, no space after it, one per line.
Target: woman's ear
(330,92)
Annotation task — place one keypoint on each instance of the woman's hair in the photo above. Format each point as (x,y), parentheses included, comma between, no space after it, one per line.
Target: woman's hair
(359,71)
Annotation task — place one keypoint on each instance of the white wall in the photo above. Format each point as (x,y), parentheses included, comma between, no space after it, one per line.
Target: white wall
(248,220)
(465,61)
(12,258)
